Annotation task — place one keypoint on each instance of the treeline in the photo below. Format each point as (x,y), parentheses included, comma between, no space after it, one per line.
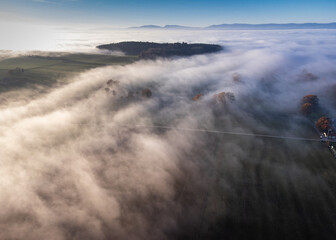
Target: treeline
(149,50)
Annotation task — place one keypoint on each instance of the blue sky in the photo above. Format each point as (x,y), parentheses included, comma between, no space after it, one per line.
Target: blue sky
(123,13)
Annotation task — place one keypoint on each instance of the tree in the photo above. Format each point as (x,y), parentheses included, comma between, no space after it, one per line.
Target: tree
(198,97)
(323,124)
(112,83)
(224,97)
(16,71)
(307,76)
(306,109)
(236,78)
(147,93)
(309,104)
(312,99)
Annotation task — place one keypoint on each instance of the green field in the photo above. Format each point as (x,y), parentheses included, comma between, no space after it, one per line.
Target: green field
(47,71)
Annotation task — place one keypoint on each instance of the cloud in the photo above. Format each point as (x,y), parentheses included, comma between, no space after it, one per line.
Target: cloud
(75,166)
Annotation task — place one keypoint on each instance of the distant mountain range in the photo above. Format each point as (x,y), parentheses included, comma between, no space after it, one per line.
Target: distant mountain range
(165,27)
(243,26)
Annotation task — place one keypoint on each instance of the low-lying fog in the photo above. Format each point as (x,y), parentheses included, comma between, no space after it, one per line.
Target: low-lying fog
(83,162)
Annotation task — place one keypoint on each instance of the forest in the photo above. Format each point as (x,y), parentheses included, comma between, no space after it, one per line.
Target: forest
(151,50)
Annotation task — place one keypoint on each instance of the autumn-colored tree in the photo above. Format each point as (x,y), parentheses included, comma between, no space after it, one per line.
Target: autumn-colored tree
(224,97)
(312,99)
(198,97)
(310,77)
(323,124)
(306,109)
(309,104)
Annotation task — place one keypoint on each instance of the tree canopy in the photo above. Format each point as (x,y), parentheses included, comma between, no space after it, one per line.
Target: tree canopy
(149,50)
(309,104)
(323,124)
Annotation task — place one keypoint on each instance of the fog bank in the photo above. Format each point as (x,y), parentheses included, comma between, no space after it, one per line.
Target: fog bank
(76,165)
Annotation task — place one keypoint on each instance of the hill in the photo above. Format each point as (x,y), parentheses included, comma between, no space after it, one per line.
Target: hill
(35,71)
(149,50)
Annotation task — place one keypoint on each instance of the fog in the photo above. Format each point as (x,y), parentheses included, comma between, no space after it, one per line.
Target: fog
(78,162)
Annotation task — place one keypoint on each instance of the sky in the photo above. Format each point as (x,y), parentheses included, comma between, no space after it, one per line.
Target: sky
(126,13)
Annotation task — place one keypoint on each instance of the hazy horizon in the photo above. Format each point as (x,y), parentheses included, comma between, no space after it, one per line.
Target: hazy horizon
(194,13)
(58,39)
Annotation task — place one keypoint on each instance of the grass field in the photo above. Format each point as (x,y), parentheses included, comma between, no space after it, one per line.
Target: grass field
(47,71)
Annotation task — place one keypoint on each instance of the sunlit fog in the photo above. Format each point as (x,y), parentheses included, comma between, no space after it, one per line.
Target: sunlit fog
(95,155)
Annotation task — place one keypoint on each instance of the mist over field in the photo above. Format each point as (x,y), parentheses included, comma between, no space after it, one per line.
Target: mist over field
(79,161)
